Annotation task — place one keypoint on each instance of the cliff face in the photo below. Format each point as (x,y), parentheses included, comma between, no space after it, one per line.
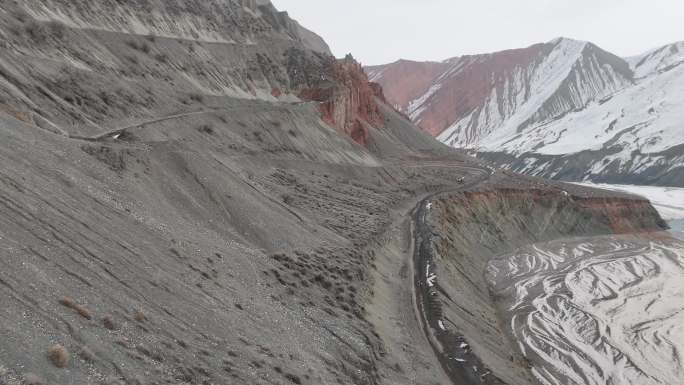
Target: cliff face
(476,226)
(347,100)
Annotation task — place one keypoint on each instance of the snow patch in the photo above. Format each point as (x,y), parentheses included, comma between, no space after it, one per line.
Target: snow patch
(602,310)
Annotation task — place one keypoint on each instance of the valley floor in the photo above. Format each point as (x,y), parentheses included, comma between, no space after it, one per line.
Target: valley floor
(598,310)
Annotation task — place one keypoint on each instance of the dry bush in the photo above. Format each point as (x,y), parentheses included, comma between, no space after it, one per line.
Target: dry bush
(206,129)
(71,304)
(86,354)
(162,57)
(293,378)
(199,98)
(142,47)
(57,29)
(36,31)
(58,355)
(109,323)
(139,316)
(40,32)
(134,60)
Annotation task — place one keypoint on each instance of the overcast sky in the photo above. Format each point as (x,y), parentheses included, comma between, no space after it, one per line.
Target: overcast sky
(382,31)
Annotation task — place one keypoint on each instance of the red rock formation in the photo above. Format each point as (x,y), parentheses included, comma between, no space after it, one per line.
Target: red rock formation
(406,80)
(469,89)
(624,215)
(460,92)
(348,99)
(619,214)
(378,91)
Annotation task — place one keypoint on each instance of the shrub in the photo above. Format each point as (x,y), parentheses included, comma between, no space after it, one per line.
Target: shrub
(162,57)
(86,354)
(293,378)
(41,32)
(142,47)
(59,356)
(105,97)
(139,316)
(71,304)
(206,129)
(36,31)
(132,59)
(199,98)
(57,29)
(108,323)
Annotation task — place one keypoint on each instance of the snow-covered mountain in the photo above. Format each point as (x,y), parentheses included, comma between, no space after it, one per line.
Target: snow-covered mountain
(564,109)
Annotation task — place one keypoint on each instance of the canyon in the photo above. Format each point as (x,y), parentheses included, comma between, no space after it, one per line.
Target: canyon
(198,192)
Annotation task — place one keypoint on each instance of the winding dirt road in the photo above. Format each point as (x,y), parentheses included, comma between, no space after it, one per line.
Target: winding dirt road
(119,131)
(452,350)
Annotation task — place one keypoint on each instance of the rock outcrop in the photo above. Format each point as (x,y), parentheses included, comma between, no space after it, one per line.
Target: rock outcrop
(476,226)
(347,100)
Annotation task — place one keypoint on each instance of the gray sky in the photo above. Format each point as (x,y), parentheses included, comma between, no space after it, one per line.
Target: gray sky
(381,31)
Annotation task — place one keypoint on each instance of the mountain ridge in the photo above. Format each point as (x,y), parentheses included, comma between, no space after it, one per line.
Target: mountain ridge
(523,101)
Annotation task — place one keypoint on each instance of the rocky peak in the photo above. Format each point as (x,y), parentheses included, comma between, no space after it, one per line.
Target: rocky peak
(464,99)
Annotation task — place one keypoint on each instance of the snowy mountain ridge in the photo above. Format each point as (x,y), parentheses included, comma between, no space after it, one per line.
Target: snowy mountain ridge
(564,109)
(540,98)
(657,60)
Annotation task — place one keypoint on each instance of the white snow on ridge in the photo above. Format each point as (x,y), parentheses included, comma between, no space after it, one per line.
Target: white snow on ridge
(553,71)
(577,98)
(417,106)
(375,74)
(657,60)
(544,84)
(648,117)
(570,75)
